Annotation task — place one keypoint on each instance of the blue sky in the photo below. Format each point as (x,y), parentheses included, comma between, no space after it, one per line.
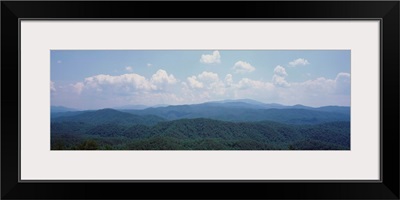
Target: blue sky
(93,79)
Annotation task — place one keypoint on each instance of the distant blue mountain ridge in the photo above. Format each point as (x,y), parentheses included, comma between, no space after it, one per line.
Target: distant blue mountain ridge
(243,110)
(56,109)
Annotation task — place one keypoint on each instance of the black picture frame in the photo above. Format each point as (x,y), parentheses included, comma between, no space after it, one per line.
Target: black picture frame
(386,11)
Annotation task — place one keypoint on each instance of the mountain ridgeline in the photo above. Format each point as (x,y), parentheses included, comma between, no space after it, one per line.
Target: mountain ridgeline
(224,125)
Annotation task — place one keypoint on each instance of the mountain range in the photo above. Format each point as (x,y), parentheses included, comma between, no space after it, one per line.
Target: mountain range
(218,125)
(228,110)
(57,109)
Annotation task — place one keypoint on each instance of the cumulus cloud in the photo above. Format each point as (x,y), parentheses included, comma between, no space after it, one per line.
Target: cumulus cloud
(208,82)
(212,83)
(149,65)
(314,92)
(162,87)
(342,81)
(319,85)
(319,91)
(215,57)
(247,88)
(208,76)
(280,71)
(204,79)
(125,84)
(228,79)
(52,86)
(131,81)
(246,83)
(162,80)
(194,83)
(242,67)
(279,77)
(299,61)
(280,81)
(129,68)
(78,87)
(161,77)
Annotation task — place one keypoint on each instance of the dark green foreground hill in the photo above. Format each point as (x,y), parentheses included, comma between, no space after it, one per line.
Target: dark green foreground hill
(134,133)
(225,125)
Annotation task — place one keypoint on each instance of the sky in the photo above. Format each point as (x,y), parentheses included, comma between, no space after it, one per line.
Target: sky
(95,79)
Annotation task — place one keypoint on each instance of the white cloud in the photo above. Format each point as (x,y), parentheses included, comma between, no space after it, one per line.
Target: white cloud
(299,61)
(253,89)
(242,67)
(78,87)
(207,84)
(129,68)
(314,92)
(125,84)
(229,79)
(217,87)
(162,77)
(208,76)
(246,83)
(105,87)
(342,81)
(215,57)
(149,65)
(342,76)
(279,77)
(132,81)
(280,81)
(280,71)
(319,85)
(52,86)
(164,88)
(194,83)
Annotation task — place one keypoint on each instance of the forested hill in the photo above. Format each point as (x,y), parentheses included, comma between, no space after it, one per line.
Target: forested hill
(105,116)
(237,114)
(225,125)
(206,134)
(234,112)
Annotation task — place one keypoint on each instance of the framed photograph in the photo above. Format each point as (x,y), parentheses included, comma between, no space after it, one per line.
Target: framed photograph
(270,98)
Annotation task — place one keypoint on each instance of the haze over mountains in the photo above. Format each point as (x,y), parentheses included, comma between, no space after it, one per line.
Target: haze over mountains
(56,109)
(229,102)
(233,110)
(227,125)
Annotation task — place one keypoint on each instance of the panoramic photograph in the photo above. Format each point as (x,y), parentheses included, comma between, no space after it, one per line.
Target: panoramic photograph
(200,100)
